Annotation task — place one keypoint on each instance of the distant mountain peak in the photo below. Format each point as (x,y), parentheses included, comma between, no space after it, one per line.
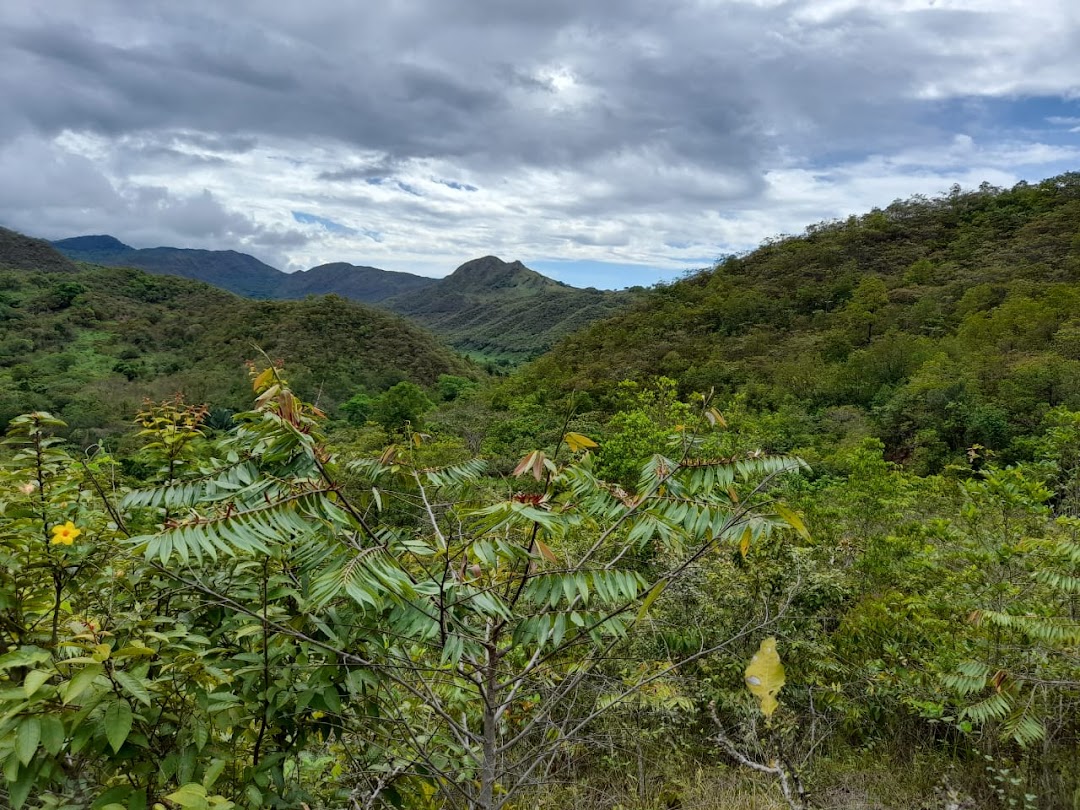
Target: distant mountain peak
(492,273)
(101,242)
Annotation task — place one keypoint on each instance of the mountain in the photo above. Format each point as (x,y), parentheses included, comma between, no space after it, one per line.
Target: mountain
(19,252)
(237,272)
(243,274)
(503,310)
(90,345)
(936,325)
(368,284)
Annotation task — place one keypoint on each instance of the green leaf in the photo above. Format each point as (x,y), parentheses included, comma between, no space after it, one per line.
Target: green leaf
(52,733)
(20,789)
(77,685)
(27,738)
(118,720)
(24,657)
(133,686)
(34,680)
(191,796)
(654,592)
(113,797)
(213,772)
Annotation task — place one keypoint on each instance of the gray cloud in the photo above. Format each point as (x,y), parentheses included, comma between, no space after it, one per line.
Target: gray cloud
(663,116)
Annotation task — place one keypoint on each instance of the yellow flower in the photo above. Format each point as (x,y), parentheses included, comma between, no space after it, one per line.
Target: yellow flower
(65,535)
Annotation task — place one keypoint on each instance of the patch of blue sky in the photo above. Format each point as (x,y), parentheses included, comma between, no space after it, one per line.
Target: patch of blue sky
(609,275)
(330,225)
(454,184)
(1004,118)
(409,189)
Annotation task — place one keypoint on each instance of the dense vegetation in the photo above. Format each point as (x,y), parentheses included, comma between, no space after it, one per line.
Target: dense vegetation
(89,346)
(589,584)
(933,324)
(503,311)
(23,253)
(229,269)
(500,312)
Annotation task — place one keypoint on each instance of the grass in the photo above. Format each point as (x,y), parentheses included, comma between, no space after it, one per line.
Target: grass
(865,780)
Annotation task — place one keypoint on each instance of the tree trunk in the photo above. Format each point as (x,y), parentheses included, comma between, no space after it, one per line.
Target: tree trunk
(489,695)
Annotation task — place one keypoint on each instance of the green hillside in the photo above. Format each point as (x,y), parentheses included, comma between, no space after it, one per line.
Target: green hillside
(503,310)
(228,269)
(91,346)
(935,324)
(368,284)
(21,252)
(499,311)
(585,572)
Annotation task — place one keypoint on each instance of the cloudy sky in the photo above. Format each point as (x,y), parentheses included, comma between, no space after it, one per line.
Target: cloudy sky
(604,142)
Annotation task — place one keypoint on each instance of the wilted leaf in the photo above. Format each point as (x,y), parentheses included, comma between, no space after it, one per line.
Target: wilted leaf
(715,417)
(547,553)
(533,462)
(765,676)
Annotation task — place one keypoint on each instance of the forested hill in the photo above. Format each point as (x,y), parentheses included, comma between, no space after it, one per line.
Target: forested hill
(371,285)
(502,311)
(505,310)
(20,252)
(937,324)
(229,269)
(89,346)
(243,274)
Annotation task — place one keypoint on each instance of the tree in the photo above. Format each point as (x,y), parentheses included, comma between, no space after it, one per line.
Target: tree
(404,403)
(467,643)
(358,408)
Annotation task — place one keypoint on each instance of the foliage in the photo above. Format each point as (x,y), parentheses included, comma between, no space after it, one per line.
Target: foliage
(940,323)
(269,617)
(92,351)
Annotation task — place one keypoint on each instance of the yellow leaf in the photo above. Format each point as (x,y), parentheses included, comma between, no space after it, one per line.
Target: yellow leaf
(578,442)
(263,379)
(744,543)
(765,676)
(793,520)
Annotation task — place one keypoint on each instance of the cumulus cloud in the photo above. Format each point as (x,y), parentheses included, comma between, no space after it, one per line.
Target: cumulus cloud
(629,132)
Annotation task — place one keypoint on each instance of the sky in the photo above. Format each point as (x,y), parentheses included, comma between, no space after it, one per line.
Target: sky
(605,143)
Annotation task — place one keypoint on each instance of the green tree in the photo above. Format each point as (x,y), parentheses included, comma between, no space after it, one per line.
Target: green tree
(461,636)
(404,403)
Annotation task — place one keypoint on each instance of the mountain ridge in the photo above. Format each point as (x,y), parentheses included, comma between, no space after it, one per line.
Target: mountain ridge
(90,345)
(503,311)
